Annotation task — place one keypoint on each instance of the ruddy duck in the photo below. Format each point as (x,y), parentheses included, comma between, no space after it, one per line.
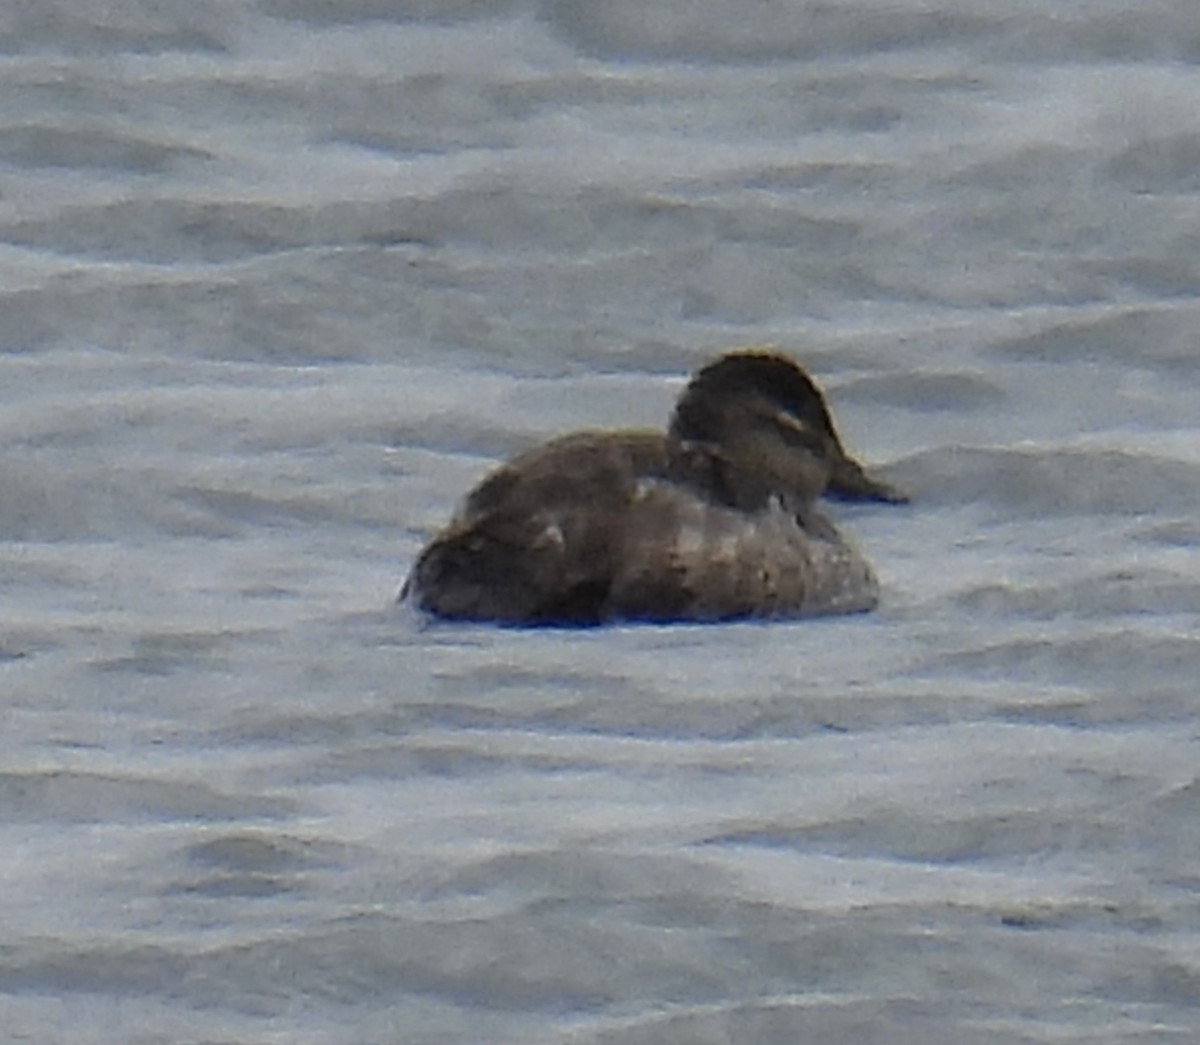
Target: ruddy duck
(713,520)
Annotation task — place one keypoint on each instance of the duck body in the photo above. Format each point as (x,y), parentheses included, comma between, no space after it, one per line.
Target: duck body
(713,520)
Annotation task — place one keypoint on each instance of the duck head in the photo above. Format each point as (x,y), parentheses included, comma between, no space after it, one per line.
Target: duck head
(753,425)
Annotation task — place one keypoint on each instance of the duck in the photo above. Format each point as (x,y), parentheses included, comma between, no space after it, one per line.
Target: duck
(715,519)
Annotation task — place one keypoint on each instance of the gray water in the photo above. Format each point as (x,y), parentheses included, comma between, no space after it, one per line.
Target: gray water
(282,279)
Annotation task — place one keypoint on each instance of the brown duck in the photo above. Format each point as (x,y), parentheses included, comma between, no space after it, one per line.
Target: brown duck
(714,520)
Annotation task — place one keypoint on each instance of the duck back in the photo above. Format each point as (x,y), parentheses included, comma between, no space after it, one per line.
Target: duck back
(537,541)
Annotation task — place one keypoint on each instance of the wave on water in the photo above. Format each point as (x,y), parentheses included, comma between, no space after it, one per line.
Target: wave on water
(718,30)
(83,797)
(1037,483)
(282,280)
(134,25)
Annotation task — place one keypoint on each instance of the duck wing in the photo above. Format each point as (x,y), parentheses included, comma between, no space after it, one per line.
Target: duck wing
(537,541)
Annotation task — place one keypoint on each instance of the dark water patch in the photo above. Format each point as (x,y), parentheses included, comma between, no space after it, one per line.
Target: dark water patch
(1163,831)
(1086,705)
(350,12)
(1106,595)
(1044,232)
(720,31)
(20,642)
(420,115)
(60,795)
(439,112)
(36,145)
(925,391)
(772,223)
(1172,533)
(239,509)
(262,852)
(1126,33)
(1091,914)
(238,886)
(595,876)
(281,506)
(44,498)
(1175,274)
(392,264)
(1127,661)
(1159,164)
(619,711)
(1051,482)
(788,1017)
(829,176)
(208,316)
(743,285)
(503,215)
(178,230)
(297,729)
(138,26)
(806,1017)
(936,838)
(872,976)
(1016,170)
(613,722)
(449,759)
(1171,977)
(51,967)
(253,864)
(1159,338)
(530,960)
(68,500)
(169,653)
(594,956)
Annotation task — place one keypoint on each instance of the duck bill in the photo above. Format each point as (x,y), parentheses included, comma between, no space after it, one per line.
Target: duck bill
(850,482)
